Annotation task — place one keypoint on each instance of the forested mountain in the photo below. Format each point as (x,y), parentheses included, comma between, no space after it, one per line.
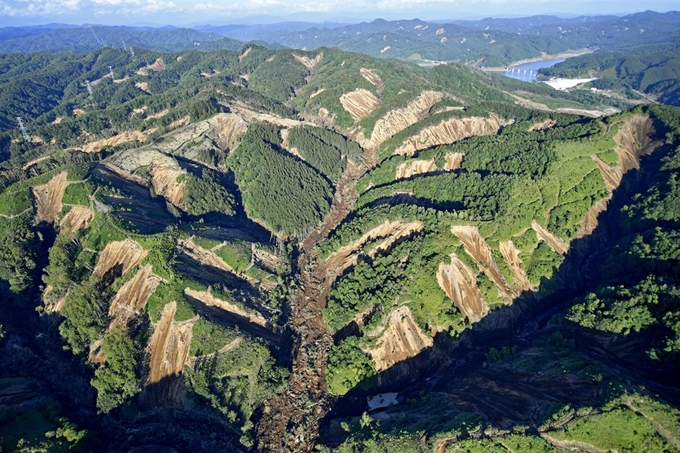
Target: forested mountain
(281,250)
(653,70)
(487,42)
(85,39)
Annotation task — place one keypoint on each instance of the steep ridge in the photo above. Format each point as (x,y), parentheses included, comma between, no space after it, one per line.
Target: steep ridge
(543,125)
(460,283)
(127,254)
(450,131)
(48,197)
(477,248)
(400,340)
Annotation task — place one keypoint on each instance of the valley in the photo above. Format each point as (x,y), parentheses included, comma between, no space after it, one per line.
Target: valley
(233,249)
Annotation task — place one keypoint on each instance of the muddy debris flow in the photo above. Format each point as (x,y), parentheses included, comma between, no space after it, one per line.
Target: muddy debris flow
(290,421)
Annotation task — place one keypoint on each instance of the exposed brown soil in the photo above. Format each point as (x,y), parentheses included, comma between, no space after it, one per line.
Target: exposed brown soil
(156,66)
(207,75)
(399,119)
(440,31)
(125,137)
(245,53)
(30,163)
(132,296)
(476,246)
(460,283)
(179,123)
(164,173)
(144,86)
(207,298)
(450,131)
(127,254)
(316,93)
(47,198)
(132,136)
(554,242)
(543,125)
(372,76)
(139,111)
(78,218)
(251,116)
(453,161)
(511,255)
(633,140)
(226,128)
(402,339)
(309,63)
(160,114)
(78,112)
(346,257)
(589,222)
(204,256)
(415,167)
(168,351)
(359,103)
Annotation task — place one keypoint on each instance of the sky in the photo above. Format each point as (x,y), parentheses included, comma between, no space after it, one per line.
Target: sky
(220,12)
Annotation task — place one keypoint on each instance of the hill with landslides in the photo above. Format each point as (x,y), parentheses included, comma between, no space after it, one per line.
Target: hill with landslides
(280,250)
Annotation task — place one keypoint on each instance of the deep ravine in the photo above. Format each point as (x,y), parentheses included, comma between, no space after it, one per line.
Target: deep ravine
(290,421)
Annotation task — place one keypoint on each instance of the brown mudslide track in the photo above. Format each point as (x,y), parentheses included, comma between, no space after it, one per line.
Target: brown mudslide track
(290,421)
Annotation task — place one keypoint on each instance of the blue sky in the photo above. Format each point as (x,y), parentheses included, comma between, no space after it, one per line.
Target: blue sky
(186,12)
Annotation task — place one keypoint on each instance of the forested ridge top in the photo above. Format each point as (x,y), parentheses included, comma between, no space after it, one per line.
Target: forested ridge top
(229,250)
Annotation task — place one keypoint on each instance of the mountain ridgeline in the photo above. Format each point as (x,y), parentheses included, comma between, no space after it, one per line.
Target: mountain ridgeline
(281,250)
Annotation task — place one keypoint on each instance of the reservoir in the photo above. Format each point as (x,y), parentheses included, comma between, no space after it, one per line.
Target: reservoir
(528,71)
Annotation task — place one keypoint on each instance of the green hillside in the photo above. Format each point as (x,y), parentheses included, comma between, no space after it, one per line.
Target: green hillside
(232,250)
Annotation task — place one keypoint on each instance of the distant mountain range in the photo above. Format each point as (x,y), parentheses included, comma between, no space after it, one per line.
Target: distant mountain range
(485,43)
